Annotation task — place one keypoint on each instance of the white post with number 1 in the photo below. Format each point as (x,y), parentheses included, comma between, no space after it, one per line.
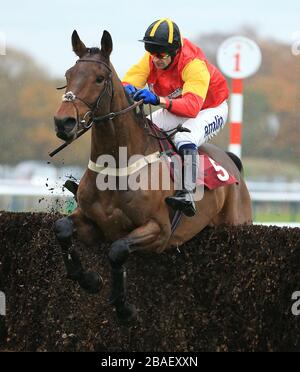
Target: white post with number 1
(238,58)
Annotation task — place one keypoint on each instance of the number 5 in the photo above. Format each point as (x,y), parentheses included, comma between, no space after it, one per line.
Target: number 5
(225,177)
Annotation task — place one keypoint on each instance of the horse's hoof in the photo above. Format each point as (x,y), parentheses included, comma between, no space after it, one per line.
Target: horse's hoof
(127,314)
(91,282)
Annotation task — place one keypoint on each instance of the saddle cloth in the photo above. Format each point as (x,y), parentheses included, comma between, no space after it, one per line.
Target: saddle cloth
(211,174)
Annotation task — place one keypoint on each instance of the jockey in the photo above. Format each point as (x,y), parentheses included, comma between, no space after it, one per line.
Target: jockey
(189,90)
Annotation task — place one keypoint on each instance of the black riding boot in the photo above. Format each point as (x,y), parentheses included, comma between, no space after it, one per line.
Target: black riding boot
(183,199)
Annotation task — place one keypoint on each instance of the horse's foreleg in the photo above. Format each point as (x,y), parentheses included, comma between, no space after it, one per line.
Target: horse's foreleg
(64,231)
(147,235)
(118,255)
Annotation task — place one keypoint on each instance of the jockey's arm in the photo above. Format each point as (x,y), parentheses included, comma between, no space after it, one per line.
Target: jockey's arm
(196,78)
(138,74)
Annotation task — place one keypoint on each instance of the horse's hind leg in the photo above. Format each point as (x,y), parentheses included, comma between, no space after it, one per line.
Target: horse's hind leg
(86,232)
(237,209)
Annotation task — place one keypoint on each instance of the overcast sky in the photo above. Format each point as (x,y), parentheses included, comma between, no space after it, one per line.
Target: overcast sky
(43,29)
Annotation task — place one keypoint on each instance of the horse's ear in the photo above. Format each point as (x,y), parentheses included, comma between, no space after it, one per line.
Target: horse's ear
(78,46)
(106,44)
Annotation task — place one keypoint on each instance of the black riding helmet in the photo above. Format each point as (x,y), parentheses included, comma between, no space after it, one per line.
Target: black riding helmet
(162,36)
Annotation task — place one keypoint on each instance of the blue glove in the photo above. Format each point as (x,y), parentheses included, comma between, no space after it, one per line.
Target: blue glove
(130,89)
(147,96)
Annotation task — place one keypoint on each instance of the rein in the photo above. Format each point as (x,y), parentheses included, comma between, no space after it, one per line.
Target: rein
(113,115)
(109,116)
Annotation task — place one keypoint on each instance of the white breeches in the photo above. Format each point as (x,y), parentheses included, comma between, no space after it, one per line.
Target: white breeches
(205,126)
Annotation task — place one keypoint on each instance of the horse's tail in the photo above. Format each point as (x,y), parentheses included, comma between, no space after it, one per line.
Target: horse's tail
(237,161)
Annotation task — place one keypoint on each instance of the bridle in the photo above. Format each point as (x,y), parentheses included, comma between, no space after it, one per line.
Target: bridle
(90,118)
(91,113)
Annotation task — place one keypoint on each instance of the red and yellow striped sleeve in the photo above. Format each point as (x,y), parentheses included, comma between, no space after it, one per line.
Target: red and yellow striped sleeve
(196,78)
(138,74)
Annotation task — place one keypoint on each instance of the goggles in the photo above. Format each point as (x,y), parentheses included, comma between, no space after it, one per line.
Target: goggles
(160,55)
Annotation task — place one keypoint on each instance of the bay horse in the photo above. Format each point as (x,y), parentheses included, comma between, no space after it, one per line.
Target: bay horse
(129,220)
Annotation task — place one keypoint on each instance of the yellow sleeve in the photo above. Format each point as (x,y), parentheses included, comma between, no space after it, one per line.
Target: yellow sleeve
(196,78)
(138,74)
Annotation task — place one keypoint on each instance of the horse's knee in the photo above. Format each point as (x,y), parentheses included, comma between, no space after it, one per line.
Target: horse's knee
(64,229)
(119,253)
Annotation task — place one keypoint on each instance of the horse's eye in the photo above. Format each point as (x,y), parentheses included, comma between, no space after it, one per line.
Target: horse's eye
(99,79)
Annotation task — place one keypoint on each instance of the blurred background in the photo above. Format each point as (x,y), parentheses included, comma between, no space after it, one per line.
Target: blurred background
(36,51)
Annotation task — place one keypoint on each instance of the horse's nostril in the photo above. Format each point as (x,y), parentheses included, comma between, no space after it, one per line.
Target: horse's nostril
(65,124)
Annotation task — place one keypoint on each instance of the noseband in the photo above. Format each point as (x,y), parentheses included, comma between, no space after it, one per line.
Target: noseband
(108,89)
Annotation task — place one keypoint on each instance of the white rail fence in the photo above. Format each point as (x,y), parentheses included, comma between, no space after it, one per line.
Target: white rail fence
(21,196)
(277,196)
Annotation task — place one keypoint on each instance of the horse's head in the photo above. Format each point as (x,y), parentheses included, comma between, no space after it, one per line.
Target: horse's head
(89,88)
